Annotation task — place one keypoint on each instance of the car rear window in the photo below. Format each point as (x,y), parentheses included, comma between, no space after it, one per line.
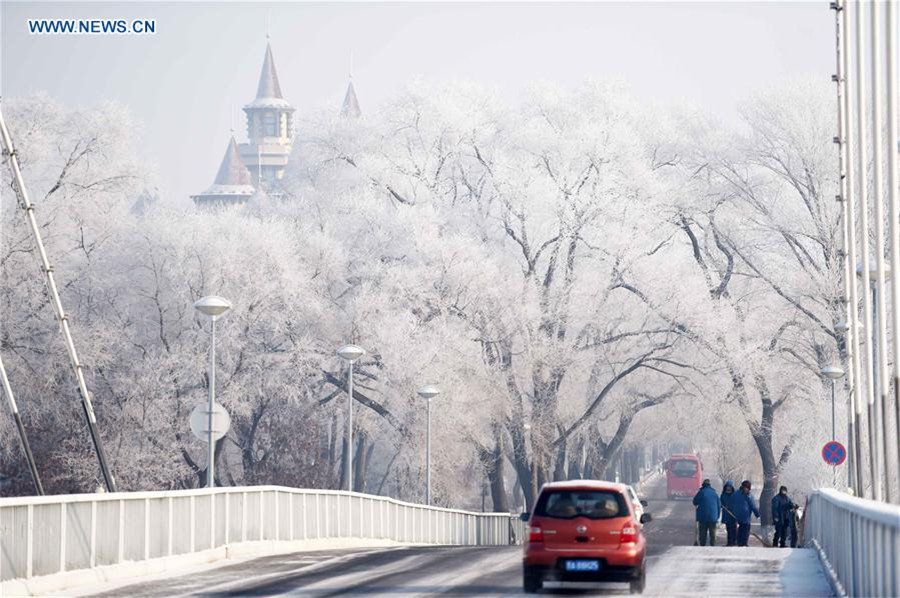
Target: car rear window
(684,469)
(593,504)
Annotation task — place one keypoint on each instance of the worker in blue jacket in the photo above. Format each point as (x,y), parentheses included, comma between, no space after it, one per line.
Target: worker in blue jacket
(744,506)
(728,519)
(708,509)
(783,517)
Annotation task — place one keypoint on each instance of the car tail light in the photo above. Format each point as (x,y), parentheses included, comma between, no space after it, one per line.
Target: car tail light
(629,534)
(535,534)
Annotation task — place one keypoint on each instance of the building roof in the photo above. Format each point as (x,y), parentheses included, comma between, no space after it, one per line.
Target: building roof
(233,178)
(232,170)
(268,78)
(268,92)
(350,108)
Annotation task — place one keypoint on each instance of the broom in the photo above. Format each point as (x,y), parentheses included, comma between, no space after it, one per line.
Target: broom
(764,541)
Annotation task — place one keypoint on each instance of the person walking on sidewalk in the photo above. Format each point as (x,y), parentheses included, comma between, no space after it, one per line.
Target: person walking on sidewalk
(744,506)
(783,516)
(728,519)
(708,509)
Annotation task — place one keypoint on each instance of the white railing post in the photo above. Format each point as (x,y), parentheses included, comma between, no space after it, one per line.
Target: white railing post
(62,537)
(243,516)
(171,538)
(193,524)
(262,515)
(93,533)
(146,528)
(226,536)
(29,539)
(212,514)
(277,516)
(121,552)
(291,515)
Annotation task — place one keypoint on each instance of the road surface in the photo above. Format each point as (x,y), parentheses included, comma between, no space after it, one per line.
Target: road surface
(675,568)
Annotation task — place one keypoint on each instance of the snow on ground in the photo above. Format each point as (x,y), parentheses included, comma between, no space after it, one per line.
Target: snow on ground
(716,571)
(491,571)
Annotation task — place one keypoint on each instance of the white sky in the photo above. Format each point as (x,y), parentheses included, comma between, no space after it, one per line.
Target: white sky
(205,58)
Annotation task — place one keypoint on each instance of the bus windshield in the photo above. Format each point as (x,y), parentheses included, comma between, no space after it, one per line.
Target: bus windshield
(684,468)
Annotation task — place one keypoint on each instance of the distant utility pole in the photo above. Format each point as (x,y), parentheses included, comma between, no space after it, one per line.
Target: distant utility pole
(28,207)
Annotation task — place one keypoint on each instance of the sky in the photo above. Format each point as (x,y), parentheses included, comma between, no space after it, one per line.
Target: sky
(183,83)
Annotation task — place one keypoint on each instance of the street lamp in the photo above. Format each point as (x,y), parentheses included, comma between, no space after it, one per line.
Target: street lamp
(428,393)
(833,373)
(213,307)
(350,353)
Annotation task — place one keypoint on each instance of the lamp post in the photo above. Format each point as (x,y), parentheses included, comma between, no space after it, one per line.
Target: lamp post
(350,353)
(833,373)
(213,307)
(428,393)
(878,451)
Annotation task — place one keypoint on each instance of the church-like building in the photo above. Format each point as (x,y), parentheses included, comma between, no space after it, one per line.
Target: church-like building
(260,163)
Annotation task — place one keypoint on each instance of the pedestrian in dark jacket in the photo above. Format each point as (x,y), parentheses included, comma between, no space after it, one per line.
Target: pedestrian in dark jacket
(708,508)
(783,517)
(744,505)
(728,519)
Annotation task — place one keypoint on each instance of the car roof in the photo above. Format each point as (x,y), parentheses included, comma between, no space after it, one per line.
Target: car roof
(584,485)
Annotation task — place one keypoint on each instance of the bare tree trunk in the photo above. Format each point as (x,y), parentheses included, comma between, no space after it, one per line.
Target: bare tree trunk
(361,462)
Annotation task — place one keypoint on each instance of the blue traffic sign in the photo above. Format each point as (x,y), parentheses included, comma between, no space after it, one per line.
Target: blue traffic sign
(834,453)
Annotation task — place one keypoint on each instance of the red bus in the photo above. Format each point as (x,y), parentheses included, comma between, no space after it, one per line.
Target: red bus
(684,474)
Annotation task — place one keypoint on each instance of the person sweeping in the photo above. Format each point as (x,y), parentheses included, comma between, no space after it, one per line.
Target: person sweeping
(708,507)
(728,519)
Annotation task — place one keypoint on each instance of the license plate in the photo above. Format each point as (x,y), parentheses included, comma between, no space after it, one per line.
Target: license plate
(583,565)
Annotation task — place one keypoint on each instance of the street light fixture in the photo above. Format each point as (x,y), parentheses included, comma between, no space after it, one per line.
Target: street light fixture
(428,392)
(213,307)
(833,373)
(350,353)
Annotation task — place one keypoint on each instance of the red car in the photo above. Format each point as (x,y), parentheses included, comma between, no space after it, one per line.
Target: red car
(584,531)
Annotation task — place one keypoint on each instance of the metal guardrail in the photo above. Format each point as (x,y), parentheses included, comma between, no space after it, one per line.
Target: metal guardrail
(54,534)
(858,541)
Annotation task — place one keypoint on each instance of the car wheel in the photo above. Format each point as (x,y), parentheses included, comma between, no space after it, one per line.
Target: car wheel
(531,583)
(638,584)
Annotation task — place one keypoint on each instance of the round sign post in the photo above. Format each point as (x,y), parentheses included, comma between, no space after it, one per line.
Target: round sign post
(221,422)
(834,453)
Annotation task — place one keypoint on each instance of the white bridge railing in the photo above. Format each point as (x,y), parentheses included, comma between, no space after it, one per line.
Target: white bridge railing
(858,541)
(54,534)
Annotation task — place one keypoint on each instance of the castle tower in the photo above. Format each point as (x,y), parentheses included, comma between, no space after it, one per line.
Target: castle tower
(350,107)
(232,184)
(269,128)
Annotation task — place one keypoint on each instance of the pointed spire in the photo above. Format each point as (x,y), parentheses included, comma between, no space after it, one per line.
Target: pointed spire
(232,171)
(232,184)
(350,108)
(268,78)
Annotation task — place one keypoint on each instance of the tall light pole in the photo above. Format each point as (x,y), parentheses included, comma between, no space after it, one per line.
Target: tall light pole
(833,373)
(213,307)
(876,414)
(428,393)
(350,353)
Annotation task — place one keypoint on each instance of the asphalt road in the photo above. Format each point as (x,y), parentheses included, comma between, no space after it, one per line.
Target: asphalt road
(487,571)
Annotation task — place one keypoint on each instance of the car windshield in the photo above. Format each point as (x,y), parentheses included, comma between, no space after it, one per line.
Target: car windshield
(593,504)
(684,469)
